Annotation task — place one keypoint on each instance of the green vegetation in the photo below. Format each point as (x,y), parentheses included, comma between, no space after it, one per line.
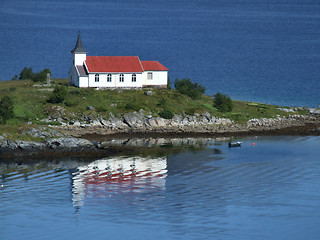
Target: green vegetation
(59,94)
(27,73)
(223,103)
(167,114)
(32,104)
(186,87)
(6,109)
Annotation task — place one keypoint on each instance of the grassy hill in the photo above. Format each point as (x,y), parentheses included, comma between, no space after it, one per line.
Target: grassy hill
(31,103)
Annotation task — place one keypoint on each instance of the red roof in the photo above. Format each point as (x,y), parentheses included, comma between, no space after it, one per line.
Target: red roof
(112,64)
(153,66)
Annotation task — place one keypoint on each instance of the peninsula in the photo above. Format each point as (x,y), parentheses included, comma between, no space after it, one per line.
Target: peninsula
(82,115)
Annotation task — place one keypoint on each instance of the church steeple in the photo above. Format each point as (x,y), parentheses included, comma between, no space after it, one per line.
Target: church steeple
(79,53)
(79,48)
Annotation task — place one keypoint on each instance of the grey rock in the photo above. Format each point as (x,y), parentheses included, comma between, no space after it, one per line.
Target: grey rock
(96,123)
(314,110)
(76,124)
(103,122)
(286,110)
(116,123)
(162,122)
(133,119)
(42,132)
(69,144)
(148,93)
(91,108)
(152,122)
(29,145)
(56,111)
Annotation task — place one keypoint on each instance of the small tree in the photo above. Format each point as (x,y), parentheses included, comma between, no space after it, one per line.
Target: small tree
(26,73)
(41,76)
(169,87)
(58,95)
(6,109)
(223,102)
(167,114)
(186,87)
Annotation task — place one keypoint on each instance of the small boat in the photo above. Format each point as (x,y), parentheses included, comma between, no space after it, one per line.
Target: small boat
(234,144)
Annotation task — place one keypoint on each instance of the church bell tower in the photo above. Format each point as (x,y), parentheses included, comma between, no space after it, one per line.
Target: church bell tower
(79,53)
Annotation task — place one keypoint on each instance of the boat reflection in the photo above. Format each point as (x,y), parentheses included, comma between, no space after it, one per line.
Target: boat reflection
(109,176)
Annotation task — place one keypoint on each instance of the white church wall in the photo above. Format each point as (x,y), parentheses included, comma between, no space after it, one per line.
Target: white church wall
(115,80)
(159,78)
(79,58)
(83,82)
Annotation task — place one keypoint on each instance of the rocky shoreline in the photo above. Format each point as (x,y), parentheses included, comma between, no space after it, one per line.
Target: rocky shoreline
(95,136)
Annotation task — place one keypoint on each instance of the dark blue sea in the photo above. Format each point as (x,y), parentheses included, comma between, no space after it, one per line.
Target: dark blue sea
(267,191)
(257,50)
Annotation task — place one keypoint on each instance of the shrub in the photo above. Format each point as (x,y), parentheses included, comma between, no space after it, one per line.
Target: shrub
(6,109)
(162,102)
(27,73)
(223,102)
(169,87)
(132,106)
(41,76)
(58,95)
(186,87)
(167,114)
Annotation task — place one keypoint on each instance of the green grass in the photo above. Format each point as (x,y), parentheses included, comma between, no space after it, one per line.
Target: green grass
(30,104)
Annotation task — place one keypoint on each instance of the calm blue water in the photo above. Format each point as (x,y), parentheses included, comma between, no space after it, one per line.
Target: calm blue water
(259,50)
(267,191)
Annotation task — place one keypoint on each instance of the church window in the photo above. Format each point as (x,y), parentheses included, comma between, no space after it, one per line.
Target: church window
(96,78)
(134,77)
(121,79)
(109,78)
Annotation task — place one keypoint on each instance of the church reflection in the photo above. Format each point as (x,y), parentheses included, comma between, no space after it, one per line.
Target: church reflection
(109,176)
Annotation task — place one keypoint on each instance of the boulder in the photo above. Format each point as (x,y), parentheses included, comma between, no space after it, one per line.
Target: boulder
(116,123)
(91,108)
(43,132)
(148,93)
(30,146)
(69,144)
(134,119)
(314,110)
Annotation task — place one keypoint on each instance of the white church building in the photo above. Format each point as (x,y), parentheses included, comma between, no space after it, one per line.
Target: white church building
(114,71)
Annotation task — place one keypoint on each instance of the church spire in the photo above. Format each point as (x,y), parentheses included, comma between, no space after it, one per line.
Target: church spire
(79,48)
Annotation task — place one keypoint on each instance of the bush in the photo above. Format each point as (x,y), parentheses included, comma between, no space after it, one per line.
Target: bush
(41,76)
(27,73)
(6,109)
(169,87)
(186,87)
(167,114)
(223,102)
(131,106)
(162,102)
(59,94)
